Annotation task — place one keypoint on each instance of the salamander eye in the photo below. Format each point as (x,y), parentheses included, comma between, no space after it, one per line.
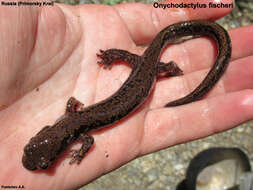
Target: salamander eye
(28,149)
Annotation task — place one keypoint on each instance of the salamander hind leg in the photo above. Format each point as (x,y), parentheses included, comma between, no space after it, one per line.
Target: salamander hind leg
(168,69)
(77,155)
(108,57)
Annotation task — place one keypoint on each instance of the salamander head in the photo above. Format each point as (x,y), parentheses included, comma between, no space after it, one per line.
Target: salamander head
(42,149)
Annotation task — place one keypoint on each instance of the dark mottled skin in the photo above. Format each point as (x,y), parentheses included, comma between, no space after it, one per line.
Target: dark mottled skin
(45,147)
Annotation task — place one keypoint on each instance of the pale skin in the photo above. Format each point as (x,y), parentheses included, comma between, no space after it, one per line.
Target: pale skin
(48,55)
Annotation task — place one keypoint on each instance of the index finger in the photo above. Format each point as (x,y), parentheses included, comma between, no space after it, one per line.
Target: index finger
(144,20)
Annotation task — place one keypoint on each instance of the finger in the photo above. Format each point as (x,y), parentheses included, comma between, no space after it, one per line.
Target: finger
(170,126)
(185,56)
(237,77)
(151,20)
(242,41)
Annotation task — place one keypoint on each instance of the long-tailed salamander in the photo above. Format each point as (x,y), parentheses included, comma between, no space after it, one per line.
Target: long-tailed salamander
(51,141)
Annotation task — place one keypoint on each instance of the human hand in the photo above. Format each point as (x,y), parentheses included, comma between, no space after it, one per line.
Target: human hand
(55,57)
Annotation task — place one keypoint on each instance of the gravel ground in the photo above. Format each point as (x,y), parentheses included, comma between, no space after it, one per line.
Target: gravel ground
(163,170)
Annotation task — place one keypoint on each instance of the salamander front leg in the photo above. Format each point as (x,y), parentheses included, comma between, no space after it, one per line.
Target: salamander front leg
(74,105)
(77,155)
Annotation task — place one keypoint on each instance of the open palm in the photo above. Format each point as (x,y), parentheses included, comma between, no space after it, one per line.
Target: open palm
(49,54)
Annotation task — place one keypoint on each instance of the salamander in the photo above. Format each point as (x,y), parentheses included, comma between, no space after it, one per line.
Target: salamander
(44,148)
